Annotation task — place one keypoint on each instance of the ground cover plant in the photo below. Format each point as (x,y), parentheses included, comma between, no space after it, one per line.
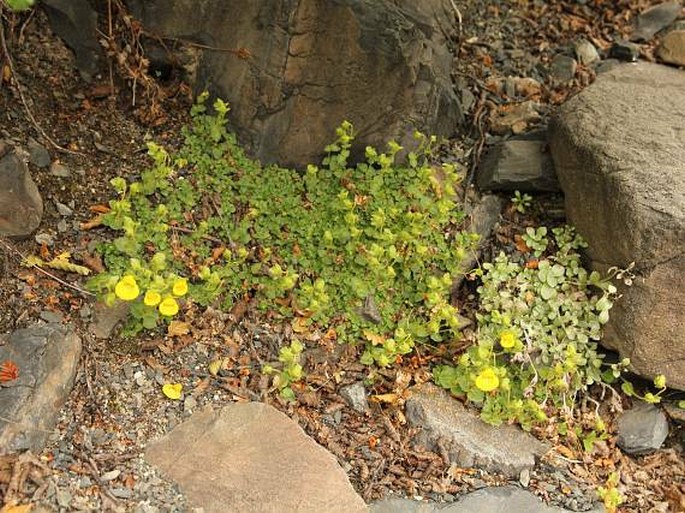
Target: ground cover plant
(367,253)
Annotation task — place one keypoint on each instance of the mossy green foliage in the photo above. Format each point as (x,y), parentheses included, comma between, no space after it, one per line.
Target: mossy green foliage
(371,249)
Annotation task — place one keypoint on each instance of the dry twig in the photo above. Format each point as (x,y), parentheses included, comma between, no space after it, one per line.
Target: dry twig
(22,258)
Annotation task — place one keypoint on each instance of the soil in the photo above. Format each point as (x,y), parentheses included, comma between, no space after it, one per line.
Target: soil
(94,463)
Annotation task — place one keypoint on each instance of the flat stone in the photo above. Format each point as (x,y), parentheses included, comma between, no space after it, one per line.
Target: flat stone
(672,48)
(47,357)
(619,148)
(524,164)
(21,206)
(469,441)
(249,458)
(642,429)
(505,499)
(654,19)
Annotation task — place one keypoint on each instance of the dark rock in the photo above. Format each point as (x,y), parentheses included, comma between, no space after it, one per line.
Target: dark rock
(628,203)
(655,19)
(38,155)
(355,396)
(563,68)
(76,22)
(642,429)
(523,164)
(252,458)
(624,51)
(672,48)
(469,441)
(21,206)
(383,65)
(47,358)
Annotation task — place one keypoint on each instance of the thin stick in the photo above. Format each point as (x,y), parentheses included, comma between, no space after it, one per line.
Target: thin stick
(48,274)
(109,61)
(458,13)
(40,130)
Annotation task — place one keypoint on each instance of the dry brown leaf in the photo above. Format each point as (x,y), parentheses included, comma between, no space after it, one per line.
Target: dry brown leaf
(300,325)
(16,508)
(374,338)
(390,398)
(178,328)
(92,223)
(521,244)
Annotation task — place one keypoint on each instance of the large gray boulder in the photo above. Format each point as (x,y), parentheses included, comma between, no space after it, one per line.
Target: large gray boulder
(619,152)
(294,70)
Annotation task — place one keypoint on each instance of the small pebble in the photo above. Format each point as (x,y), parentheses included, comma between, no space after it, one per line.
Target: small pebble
(127,369)
(64,498)
(63,209)
(52,317)
(57,169)
(586,52)
(44,238)
(189,404)
(85,311)
(121,493)
(111,475)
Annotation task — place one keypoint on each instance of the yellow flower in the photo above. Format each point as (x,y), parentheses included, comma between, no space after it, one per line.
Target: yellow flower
(172,390)
(168,307)
(127,288)
(507,339)
(152,298)
(487,380)
(180,287)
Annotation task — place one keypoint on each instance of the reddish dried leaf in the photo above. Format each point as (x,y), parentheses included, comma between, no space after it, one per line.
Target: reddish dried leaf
(8,371)
(99,209)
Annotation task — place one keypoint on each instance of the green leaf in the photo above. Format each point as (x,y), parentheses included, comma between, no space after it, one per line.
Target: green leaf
(19,5)
(627,388)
